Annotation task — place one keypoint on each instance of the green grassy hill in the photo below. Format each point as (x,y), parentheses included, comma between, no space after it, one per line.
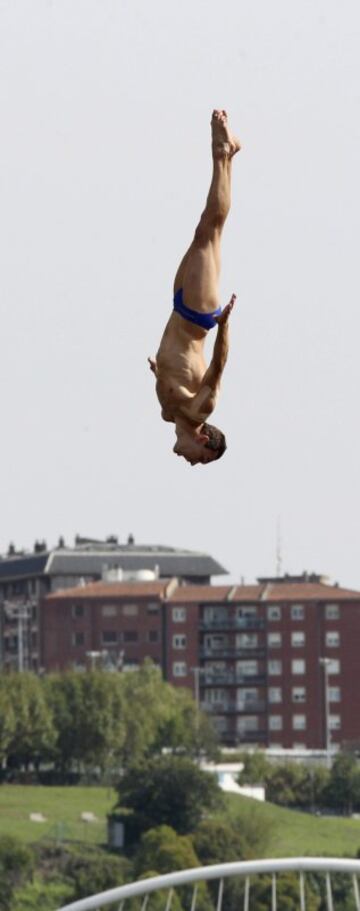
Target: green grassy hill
(62,808)
(294,834)
(289,833)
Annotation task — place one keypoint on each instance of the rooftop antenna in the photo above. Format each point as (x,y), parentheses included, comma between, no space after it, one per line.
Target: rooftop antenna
(279,556)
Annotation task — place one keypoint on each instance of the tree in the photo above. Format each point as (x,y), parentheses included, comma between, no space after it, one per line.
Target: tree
(40,895)
(256,768)
(186,729)
(91,870)
(33,733)
(164,851)
(285,784)
(158,716)
(88,711)
(147,709)
(342,789)
(168,790)
(7,717)
(16,866)
(287,890)
(218,842)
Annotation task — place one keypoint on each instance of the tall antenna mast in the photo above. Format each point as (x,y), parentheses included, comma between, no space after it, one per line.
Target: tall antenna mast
(278,547)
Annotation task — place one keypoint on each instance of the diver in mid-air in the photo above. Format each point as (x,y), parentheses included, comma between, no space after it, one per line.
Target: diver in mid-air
(186,388)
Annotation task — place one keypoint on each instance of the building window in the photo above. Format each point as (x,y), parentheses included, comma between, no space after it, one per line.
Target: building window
(217,641)
(298,639)
(153,635)
(77,611)
(130,610)
(179,641)
(275,723)
(246,640)
(246,698)
(78,639)
(247,668)
(274,668)
(215,614)
(332,611)
(334,666)
(131,635)
(299,722)
(246,611)
(220,724)
(332,639)
(274,640)
(334,694)
(109,610)
(297,612)
(298,666)
(298,694)
(179,669)
(247,723)
(215,696)
(179,614)
(153,607)
(334,722)
(274,612)
(275,694)
(109,636)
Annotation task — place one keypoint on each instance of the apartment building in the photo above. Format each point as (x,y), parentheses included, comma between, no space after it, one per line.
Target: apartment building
(26,578)
(275,664)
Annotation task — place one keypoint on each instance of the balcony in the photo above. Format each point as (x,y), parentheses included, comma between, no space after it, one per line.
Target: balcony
(226,678)
(232,652)
(237,738)
(236,623)
(231,707)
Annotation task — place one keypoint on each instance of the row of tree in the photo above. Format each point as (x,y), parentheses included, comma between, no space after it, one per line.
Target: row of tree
(307,787)
(96,720)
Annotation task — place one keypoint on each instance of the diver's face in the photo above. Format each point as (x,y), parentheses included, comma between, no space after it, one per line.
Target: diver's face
(195,452)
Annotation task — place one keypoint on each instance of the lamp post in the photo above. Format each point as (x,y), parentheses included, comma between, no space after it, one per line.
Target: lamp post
(325,662)
(21,612)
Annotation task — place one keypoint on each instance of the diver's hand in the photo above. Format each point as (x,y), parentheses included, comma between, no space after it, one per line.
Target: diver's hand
(153,365)
(224,316)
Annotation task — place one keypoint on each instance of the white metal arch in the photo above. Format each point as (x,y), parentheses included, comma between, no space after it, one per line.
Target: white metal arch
(244,869)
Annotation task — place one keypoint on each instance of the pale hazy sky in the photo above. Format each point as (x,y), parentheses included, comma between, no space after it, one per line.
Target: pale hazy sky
(104,167)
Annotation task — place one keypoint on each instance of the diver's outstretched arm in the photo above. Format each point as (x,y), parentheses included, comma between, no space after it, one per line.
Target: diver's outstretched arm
(221,348)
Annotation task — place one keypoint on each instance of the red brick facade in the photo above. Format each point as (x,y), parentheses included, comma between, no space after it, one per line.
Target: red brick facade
(256,650)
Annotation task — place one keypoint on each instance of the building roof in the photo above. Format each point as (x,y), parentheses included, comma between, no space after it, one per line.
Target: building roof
(21,565)
(155,589)
(269,593)
(168,589)
(200,593)
(90,560)
(306,591)
(169,561)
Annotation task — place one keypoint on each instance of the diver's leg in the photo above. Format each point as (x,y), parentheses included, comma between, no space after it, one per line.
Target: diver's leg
(199,270)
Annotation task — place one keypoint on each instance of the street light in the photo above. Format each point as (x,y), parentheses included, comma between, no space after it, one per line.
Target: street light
(325,662)
(21,612)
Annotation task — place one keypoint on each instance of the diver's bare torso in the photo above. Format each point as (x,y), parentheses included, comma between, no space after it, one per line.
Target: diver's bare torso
(180,371)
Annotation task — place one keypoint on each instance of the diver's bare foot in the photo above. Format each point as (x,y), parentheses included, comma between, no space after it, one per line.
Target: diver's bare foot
(224,144)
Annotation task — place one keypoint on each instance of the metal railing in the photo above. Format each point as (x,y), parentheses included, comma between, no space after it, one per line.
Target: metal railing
(237,623)
(216,678)
(246,870)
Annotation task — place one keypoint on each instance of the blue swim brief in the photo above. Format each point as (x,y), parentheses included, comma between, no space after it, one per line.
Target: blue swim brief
(205,320)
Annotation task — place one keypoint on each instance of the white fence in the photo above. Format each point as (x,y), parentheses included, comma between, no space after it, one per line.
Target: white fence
(244,869)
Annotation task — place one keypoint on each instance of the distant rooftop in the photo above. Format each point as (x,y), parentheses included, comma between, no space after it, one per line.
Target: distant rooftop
(287,578)
(91,556)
